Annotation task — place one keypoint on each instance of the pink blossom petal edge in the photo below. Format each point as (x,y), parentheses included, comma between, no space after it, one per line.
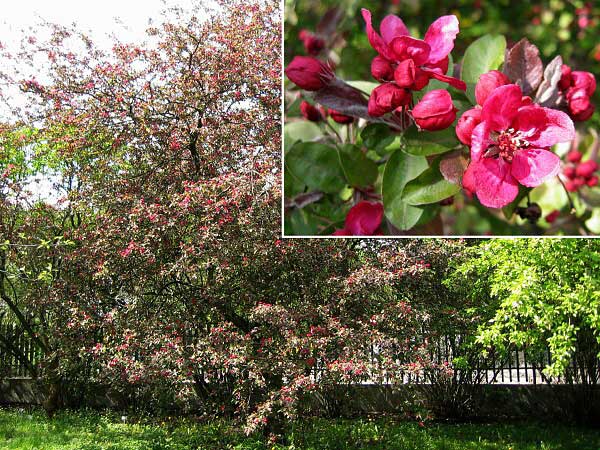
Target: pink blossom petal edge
(440,37)
(501,107)
(495,186)
(454,82)
(533,166)
(392,27)
(364,218)
(374,39)
(558,127)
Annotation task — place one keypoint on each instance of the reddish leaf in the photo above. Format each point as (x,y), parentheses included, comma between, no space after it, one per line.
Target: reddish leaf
(453,165)
(350,101)
(330,21)
(548,94)
(522,64)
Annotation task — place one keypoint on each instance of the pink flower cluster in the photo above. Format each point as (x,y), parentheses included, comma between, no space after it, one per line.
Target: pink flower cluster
(579,173)
(406,64)
(577,88)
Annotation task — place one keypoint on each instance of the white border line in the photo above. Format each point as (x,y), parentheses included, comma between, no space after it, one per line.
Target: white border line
(427,236)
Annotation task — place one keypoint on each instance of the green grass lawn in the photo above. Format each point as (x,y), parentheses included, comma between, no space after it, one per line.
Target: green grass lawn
(22,429)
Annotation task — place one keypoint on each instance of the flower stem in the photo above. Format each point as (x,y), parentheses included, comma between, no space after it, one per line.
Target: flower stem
(568,196)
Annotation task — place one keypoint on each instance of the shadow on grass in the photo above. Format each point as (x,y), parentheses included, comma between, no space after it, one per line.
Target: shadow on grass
(86,430)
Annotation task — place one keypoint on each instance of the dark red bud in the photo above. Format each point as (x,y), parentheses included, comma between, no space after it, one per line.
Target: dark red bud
(586,169)
(339,117)
(381,69)
(570,172)
(309,112)
(387,97)
(574,156)
(309,73)
(435,111)
(565,78)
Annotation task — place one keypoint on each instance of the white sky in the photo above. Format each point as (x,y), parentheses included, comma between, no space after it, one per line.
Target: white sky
(97,17)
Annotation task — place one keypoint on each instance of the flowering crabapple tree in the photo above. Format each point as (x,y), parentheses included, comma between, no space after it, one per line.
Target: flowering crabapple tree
(174,288)
(433,141)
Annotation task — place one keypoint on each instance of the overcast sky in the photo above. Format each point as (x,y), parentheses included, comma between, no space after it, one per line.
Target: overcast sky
(98,17)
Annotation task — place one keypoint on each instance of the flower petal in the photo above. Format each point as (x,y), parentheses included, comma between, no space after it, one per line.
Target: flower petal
(374,39)
(533,166)
(544,127)
(454,82)
(406,47)
(364,218)
(392,27)
(440,37)
(495,186)
(480,141)
(501,106)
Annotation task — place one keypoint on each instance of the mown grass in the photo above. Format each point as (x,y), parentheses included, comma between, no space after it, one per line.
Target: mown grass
(85,430)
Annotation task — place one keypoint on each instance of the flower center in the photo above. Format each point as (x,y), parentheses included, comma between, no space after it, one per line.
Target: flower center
(507,143)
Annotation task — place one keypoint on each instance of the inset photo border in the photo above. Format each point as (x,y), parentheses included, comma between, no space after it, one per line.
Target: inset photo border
(407,119)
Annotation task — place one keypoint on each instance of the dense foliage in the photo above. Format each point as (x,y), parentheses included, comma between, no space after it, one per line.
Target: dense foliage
(538,294)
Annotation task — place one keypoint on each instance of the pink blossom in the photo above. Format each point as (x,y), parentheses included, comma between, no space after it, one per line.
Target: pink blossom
(418,60)
(511,146)
(363,219)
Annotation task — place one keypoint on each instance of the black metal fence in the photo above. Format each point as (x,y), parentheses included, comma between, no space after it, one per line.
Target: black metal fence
(18,355)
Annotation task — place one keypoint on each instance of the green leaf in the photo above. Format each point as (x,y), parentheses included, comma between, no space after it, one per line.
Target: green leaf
(429,187)
(509,209)
(359,170)
(300,223)
(425,143)
(399,170)
(483,55)
(292,186)
(317,166)
(377,136)
(304,131)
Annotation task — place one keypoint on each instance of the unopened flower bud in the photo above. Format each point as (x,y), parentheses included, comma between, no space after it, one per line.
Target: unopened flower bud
(574,156)
(565,78)
(310,112)
(586,168)
(387,97)
(435,111)
(339,117)
(309,73)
